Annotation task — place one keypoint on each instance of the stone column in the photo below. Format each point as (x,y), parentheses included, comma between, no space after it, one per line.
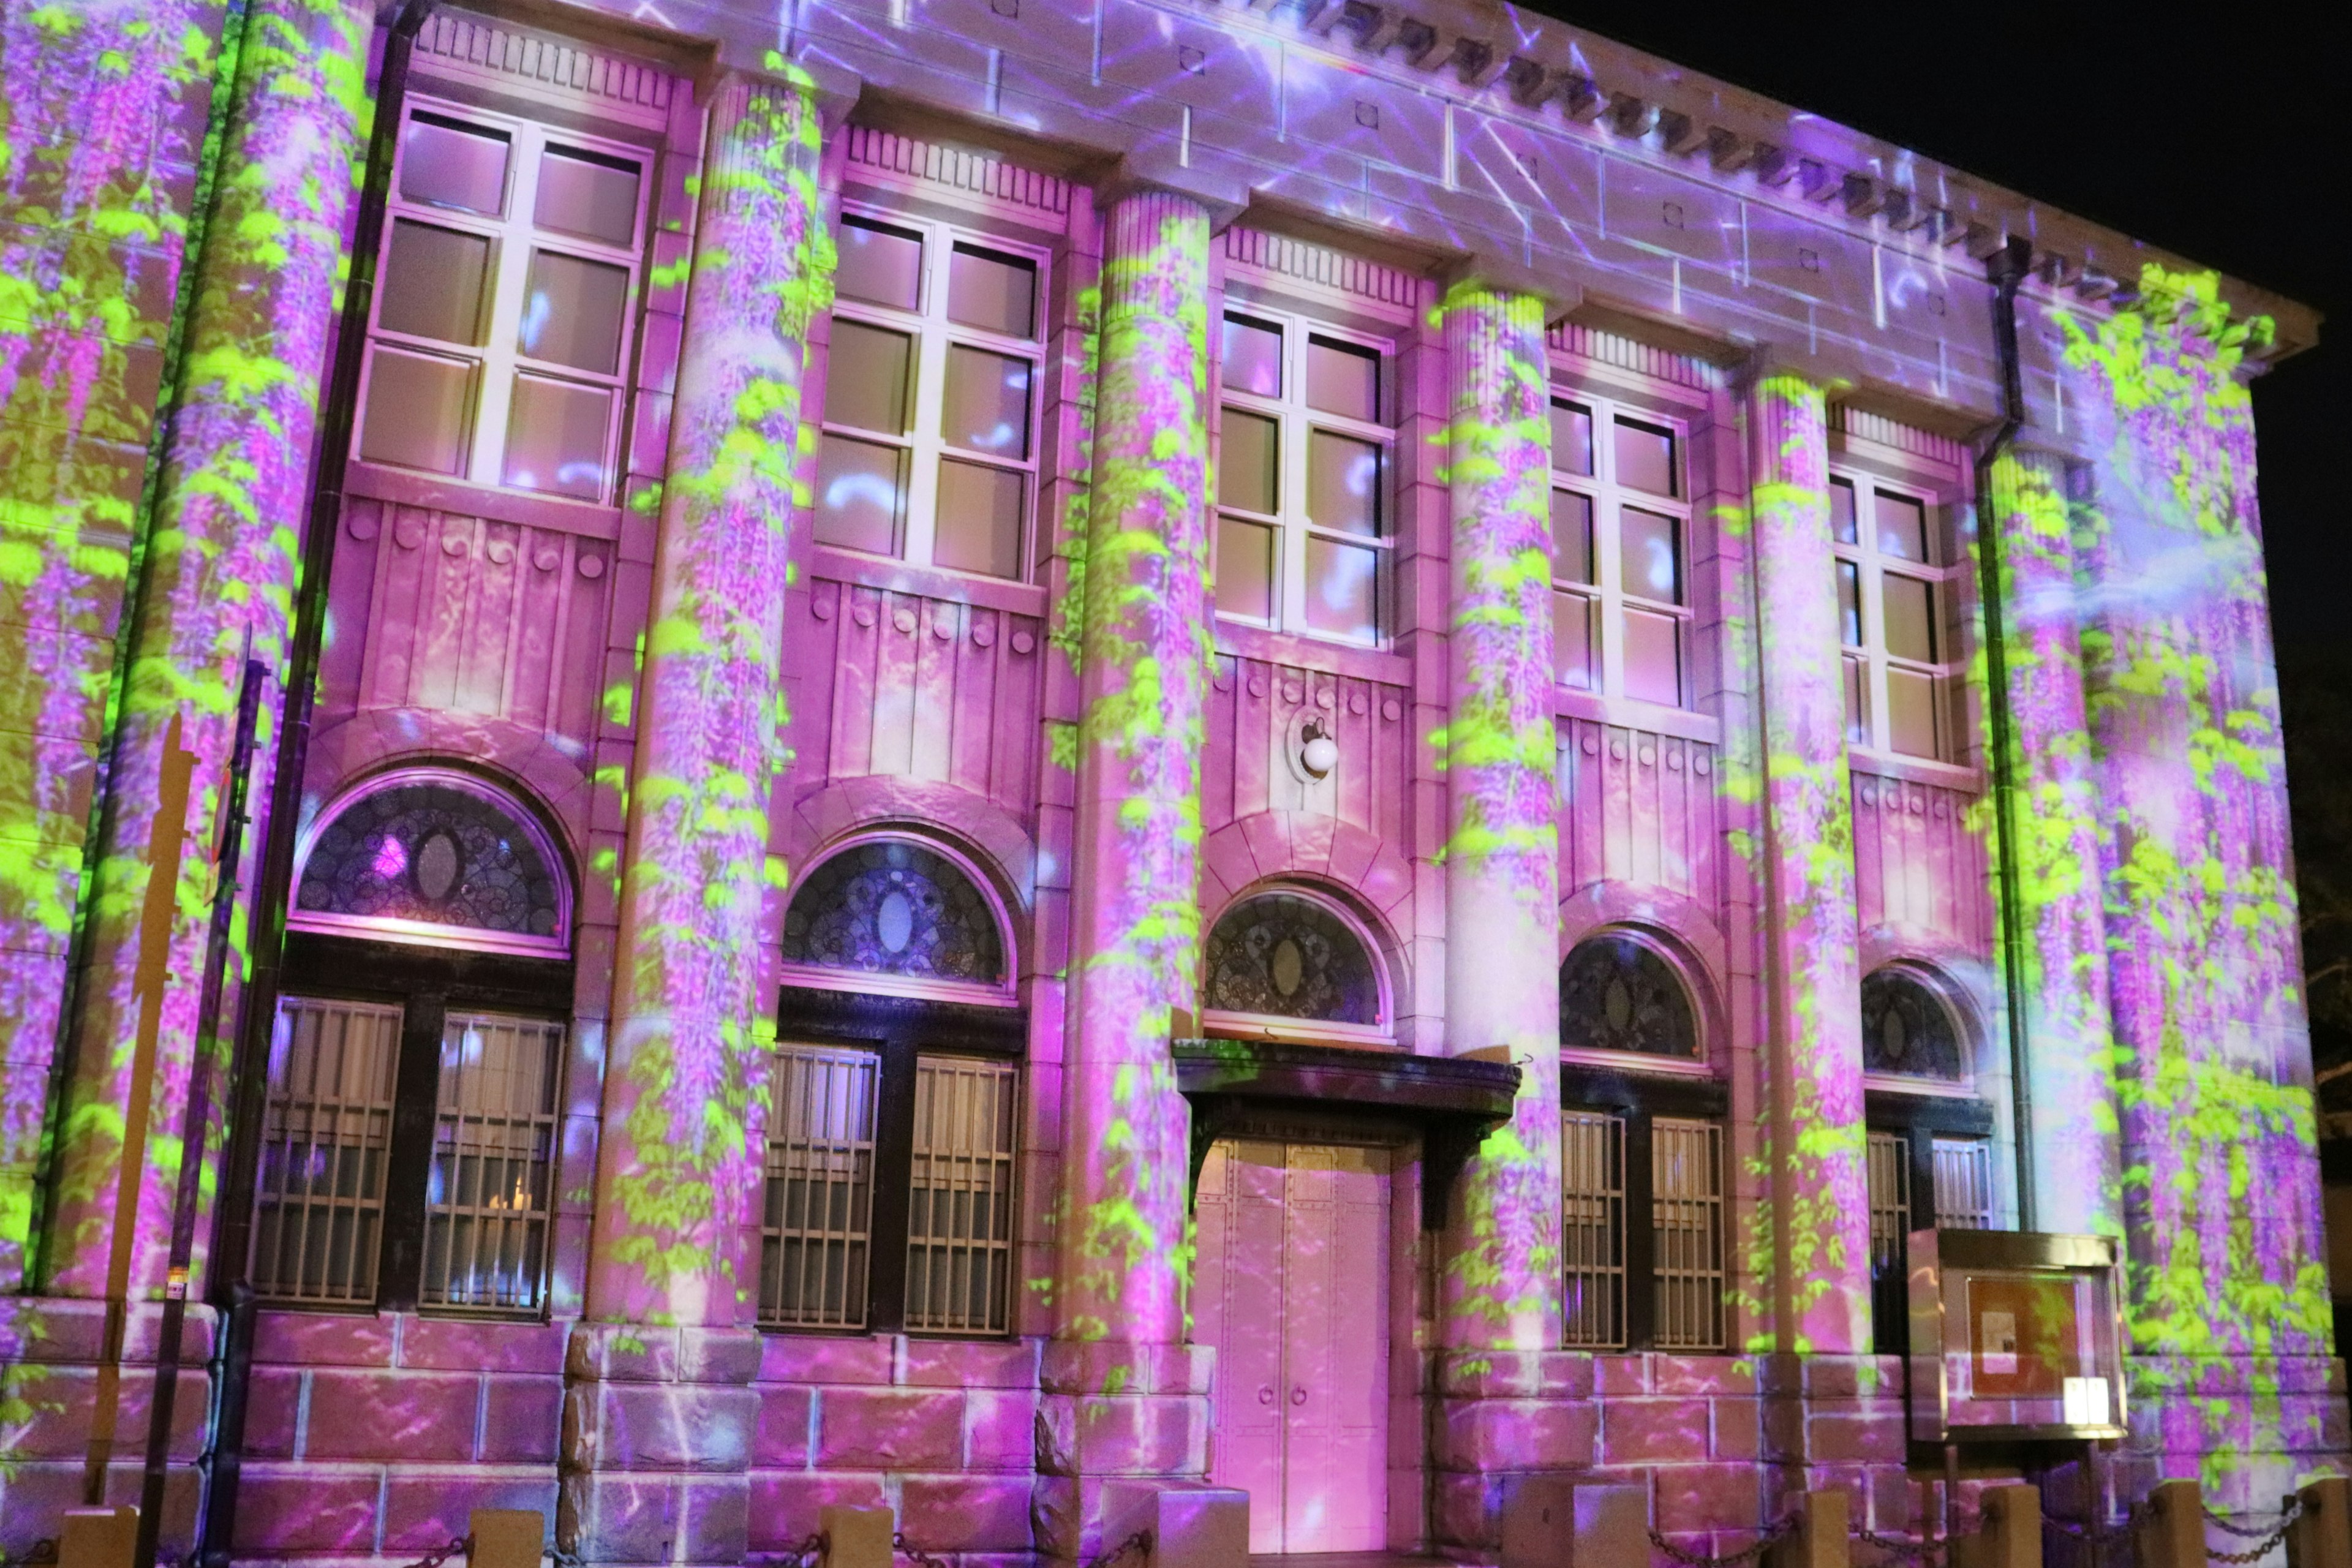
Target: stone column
(659,1415)
(2070,1071)
(1825,1399)
(2228,1310)
(1500,1290)
(1123,1394)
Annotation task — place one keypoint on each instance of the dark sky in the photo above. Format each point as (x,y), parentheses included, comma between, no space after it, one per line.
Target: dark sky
(2221,141)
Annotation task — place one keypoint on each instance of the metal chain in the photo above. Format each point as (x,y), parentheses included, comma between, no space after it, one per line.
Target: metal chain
(42,1550)
(2258,1553)
(2290,1507)
(1140,1541)
(1910,1551)
(462,1545)
(922,1558)
(1763,1544)
(2073,1531)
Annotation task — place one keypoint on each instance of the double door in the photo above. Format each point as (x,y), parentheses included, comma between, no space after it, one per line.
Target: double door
(1292,1287)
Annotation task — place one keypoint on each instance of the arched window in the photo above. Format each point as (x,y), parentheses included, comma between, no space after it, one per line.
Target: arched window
(889,907)
(1285,955)
(437,856)
(1907,1030)
(1619,994)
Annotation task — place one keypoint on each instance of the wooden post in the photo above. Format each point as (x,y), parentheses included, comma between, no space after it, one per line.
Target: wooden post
(2321,1536)
(1819,1540)
(2010,1536)
(856,1537)
(2170,1531)
(505,1538)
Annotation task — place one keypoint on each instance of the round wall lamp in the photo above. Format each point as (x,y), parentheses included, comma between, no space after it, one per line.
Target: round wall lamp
(1319,753)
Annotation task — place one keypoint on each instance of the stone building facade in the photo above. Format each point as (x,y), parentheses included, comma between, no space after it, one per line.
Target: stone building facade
(997,745)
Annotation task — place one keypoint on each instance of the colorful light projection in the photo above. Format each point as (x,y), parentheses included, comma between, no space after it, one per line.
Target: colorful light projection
(1502,849)
(1136,933)
(1813,1243)
(678,1167)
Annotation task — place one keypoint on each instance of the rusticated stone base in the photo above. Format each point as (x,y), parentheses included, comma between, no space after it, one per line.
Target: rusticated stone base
(1106,1412)
(1503,1417)
(49,1380)
(658,1430)
(2248,1429)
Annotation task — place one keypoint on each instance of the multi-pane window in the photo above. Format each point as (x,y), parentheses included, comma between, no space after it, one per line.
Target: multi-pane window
(326,1135)
(1615,1164)
(1894,589)
(930,451)
(889,1191)
(1304,526)
(1620,543)
(504,303)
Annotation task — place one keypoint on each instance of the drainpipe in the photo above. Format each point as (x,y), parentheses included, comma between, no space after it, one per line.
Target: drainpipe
(2007,269)
(248,1079)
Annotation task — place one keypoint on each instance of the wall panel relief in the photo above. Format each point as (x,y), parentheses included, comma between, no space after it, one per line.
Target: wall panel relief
(1638,807)
(1919,862)
(1259,712)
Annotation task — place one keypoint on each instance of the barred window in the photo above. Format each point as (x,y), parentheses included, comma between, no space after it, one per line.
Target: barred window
(1635,1285)
(1687,1160)
(1964,1195)
(960,1208)
(816,1231)
(486,1202)
(326,1138)
(1889,1171)
(1592,1228)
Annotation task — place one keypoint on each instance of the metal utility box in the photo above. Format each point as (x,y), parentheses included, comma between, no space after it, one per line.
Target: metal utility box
(2014,1337)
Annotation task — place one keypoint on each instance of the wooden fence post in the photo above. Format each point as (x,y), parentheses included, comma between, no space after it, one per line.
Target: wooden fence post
(2321,1536)
(1819,1540)
(2170,1531)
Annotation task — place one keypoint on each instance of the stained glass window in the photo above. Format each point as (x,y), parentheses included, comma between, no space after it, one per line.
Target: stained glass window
(1617,994)
(1290,957)
(1907,1029)
(895,907)
(433,859)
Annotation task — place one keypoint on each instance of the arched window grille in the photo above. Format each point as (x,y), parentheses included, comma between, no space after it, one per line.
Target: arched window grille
(1619,994)
(1907,1031)
(1285,955)
(892,908)
(436,856)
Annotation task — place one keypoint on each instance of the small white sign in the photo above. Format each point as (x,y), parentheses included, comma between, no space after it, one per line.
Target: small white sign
(1998,1357)
(2087,1402)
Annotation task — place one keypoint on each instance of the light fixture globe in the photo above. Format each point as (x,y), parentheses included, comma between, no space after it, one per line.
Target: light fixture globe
(1320,754)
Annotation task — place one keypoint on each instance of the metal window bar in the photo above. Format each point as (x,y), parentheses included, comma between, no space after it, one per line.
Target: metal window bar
(817,1217)
(326,1134)
(487,1195)
(959,1203)
(1592,1228)
(1686,1210)
(1890,1201)
(1963,1183)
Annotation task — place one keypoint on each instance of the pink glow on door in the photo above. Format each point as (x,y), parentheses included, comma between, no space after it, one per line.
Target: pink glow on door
(1293,1291)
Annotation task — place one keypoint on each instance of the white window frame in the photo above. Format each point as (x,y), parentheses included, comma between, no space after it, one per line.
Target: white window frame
(496,361)
(1295,423)
(934,336)
(1607,594)
(1875,732)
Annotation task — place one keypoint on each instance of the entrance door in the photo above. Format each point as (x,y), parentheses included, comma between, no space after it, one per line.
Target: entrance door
(1292,1289)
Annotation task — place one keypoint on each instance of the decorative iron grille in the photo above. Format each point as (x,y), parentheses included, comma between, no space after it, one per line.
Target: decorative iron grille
(816,1227)
(1592,1228)
(1890,1200)
(1687,1199)
(959,1204)
(326,1136)
(486,1198)
(1963,1183)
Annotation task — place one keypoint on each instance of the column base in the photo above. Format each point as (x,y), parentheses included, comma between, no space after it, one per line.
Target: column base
(51,1348)
(1110,1411)
(1502,1417)
(1838,1423)
(659,1426)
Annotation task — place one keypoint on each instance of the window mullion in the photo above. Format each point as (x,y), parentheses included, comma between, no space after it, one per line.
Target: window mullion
(487,463)
(1641,1234)
(894,1161)
(409,1163)
(1295,441)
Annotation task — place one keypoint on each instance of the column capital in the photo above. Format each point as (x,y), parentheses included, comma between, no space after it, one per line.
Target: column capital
(1501,273)
(833,88)
(1160,165)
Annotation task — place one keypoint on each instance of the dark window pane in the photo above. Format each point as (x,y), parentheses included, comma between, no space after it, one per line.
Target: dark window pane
(1571,640)
(1910,608)
(883,265)
(893,907)
(1858,703)
(447,164)
(1289,957)
(572,311)
(433,282)
(1253,357)
(992,291)
(1248,471)
(1343,590)
(1911,702)
(979,518)
(1645,457)
(1343,379)
(1653,658)
(1343,485)
(417,409)
(866,377)
(588,194)
(1617,994)
(987,403)
(1902,527)
(556,433)
(1849,584)
(1571,438)
(1907,1029)
(1652,555)
(1571,537)
(1245,569)
(860,491)
(1841,512)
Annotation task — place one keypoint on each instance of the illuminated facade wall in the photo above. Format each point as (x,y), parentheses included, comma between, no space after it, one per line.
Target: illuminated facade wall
(899,560)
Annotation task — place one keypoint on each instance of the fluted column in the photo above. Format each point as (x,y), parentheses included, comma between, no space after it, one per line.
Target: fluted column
(2072,1145)
(660,1421)
(1820,1224)
(1121,1397)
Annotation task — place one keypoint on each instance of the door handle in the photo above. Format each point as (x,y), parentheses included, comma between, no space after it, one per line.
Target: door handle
(1265,1396)
(1299,1396)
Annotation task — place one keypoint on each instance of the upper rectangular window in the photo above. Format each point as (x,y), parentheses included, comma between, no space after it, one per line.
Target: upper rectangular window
(1305,529)
(505,300)
(929,450)
(1895,605)
(1621,552)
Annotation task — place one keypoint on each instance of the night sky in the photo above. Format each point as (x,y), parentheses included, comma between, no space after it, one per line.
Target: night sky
(2219,141)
